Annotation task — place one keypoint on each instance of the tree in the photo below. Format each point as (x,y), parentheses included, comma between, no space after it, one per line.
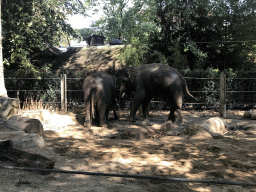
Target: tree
(119,18)
(234,32)
(202,34)
(172,37)
(31,26)
(3,91)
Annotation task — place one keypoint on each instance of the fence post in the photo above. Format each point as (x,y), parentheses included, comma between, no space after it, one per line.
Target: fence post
(63,79)
(223,112)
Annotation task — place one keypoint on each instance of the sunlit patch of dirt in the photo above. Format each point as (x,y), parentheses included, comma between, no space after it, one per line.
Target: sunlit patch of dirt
(141,148)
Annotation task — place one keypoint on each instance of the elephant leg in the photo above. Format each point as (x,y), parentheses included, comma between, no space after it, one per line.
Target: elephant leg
(139,97)
(88,115)
(114,112)
(114,107)
(102,119)
(140,110)
(146,108)
(179,115)
(103,112)
(107,113)
(171,115)
(96,114)
(176,106)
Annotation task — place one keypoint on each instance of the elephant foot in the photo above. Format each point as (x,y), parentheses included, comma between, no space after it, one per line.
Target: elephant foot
(87,124)
(146,122)
(132,119)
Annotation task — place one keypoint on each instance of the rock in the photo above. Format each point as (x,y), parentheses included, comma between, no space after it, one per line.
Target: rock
(253,115)
(247,114)
(30,141)
(195,129)
(42,115)
(8,106)
(26,124)
(214,125)
(12,135)
(22,139)
(250,114)
(24,158)
(216,135)
(198,132)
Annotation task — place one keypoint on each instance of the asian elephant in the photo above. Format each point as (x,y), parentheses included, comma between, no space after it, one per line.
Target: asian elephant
(99,90)
(127,85)
(155,80)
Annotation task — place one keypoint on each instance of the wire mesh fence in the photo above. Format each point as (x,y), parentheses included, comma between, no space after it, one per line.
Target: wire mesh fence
(241,92)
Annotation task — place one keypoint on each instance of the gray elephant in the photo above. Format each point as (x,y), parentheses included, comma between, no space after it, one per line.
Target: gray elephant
(154,80)
(127,78)
(99,90)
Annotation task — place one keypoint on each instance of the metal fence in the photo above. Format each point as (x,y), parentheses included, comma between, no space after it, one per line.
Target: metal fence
(64,92)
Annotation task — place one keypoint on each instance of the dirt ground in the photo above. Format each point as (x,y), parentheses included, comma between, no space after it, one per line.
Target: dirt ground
(140,148)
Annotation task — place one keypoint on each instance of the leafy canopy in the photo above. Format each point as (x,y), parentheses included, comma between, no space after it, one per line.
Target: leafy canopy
(185,33)
(204,33)
(119,20)
(30,26)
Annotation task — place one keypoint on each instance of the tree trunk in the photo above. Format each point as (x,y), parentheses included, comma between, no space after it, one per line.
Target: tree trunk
(3,92)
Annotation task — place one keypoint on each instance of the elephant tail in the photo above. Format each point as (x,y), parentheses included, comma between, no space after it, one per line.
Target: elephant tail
(187,91)
(92,101)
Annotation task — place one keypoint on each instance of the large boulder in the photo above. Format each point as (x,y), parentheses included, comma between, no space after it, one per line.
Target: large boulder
(23,140)
(26,124)
(42,115)
(8,106)
(250,114)
(30,141)
(215,126)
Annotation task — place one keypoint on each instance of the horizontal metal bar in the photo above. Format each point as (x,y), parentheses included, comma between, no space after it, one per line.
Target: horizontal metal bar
(201,78)
(31,78)
(35,90)
(241,91)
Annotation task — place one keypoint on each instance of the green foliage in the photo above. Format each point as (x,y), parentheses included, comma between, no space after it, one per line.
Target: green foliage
(240,87)
(25,80)
(203,34)
(119,21)
(206,81)
(196,34)
(130,56)
(32,26)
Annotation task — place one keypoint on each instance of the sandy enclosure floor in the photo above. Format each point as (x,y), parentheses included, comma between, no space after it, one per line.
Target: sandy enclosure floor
(138,149)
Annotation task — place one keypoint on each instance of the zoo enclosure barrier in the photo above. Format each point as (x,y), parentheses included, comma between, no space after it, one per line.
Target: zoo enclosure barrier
(67,92)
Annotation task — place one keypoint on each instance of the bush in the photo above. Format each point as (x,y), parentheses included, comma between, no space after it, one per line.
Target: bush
(206,84)
(23,85)
(130,56)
